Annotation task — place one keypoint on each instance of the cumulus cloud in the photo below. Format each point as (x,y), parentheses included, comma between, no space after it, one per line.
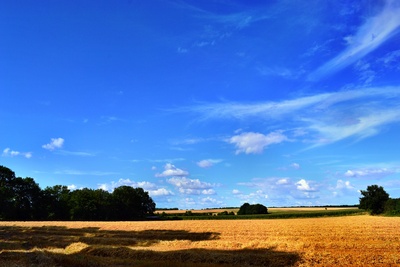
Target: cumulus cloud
(7,152)
(207,163)
(171,170)
(160,192)
(209,200)
(191,186)
(303,185)
(281,191)
(72,187)
(343,185)
(254,143)
(208,192)
(282,181)
(121,182)
(151,188)
(54,144)
(373,33)
(258,196)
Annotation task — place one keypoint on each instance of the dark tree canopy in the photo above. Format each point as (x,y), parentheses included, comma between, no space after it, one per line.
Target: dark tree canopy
(23,199)
(374,199)
(247,209)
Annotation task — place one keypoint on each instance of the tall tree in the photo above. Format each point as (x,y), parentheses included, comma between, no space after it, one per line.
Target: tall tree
(131,203)
(26,196)
(55,203)
(373,199)
(6,177)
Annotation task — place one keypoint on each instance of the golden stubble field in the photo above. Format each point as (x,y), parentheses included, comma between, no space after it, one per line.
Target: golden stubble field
(332,241)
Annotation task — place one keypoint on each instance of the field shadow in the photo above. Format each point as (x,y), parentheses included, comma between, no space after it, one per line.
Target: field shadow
(15,237)
(86,247)
(123,256)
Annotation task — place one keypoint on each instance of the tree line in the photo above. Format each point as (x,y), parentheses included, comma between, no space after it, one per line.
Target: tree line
(377,201)
(23,199)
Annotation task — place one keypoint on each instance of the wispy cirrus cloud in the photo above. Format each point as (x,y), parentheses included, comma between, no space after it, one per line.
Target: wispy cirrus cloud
(369,173)
(75,153)
(373,33)
(207,163)
(324,118)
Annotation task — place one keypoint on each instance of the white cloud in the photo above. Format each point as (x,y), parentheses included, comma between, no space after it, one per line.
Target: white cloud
(184,182)
(254,143)
(160,192)
(208,192)
(207,163)
(303,185)
(295,166)
(121,182)
(264,109)
(391,59)
(343,185)
(192,186)
(258,196)
(235,191)
(171,170)
(12,153)
(369,173)
(54,144)
(209,200)
(282,181)
(281,191)
(74,187)
(322,119)
(151,188)
(374,32)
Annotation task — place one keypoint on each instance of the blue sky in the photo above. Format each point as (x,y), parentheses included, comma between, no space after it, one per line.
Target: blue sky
(204,103)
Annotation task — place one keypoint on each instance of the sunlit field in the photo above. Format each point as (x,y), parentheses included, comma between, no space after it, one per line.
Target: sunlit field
(332,241)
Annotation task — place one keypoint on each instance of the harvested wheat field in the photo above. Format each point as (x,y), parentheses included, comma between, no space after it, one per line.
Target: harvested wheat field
(331,241)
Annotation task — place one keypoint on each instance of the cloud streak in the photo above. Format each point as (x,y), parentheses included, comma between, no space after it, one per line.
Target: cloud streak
(323,118)
(373,33)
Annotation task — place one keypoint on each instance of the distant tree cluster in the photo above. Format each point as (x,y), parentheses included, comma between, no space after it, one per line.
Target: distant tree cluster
(247,209)
(23,199)
(377,201)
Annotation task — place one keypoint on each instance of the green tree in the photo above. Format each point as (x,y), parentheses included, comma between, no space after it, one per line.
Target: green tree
(26,196)
(373,199)
(131,203)
(247,209)
(19,197)
(55,201)
(392,206)
(7,176)
(89,204)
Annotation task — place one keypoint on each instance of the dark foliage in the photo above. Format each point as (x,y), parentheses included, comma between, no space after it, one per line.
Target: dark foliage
(392,207)
(247,209)
(23,199)
(374,199)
